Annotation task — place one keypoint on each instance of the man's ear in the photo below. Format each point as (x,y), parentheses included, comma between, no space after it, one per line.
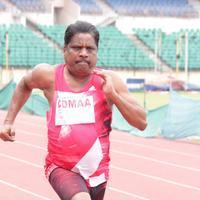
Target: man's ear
(64,49)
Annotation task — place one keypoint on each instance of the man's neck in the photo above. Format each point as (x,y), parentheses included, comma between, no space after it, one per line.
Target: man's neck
(75,82)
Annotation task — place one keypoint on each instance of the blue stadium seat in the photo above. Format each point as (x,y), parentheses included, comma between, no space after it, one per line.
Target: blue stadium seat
(176,8)
(2,6)
(29,5)
(89,6)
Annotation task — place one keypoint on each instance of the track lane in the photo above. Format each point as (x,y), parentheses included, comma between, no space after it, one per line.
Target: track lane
(142,169)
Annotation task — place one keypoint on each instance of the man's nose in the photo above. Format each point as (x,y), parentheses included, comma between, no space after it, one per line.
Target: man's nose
(83,52)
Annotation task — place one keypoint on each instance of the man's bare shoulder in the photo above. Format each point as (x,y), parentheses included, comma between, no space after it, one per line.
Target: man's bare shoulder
(44,68)
(41,76)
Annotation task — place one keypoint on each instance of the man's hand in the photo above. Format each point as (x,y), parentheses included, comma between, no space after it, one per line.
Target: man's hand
(117,92)
(7,133)
(108,86)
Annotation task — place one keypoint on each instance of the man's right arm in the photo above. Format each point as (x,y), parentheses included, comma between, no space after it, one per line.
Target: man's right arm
(34,79)
(20,96)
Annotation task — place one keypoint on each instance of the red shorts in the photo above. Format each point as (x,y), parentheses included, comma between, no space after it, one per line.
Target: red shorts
(67,183)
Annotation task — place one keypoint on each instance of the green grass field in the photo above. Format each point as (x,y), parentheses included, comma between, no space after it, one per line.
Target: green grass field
(157,99)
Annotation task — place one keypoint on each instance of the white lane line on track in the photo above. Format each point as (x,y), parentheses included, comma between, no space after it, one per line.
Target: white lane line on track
(28,122)
(156,178)
(31,145)
(23,190)
(126,154)
(19,131)
(117,168)
(41,167)
(155,160)
(21,160)
(124,142)
(127,193)
(154,148)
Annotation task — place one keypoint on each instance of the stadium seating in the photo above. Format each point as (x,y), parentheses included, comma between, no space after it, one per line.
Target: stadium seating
(89,6)
(26,49)
(56,33)
(2,6)
(29,5)
(167,45)
(115,49)
(176,8)
(194,48)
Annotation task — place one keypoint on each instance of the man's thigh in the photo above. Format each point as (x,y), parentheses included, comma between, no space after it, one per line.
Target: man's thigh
(68,184)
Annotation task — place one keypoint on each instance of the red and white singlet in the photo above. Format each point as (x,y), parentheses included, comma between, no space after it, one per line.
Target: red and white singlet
(79,124)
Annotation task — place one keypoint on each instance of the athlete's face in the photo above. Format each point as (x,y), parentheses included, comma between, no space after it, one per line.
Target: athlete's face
(81,54)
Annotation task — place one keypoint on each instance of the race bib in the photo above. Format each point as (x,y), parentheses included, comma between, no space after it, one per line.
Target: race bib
(72,108)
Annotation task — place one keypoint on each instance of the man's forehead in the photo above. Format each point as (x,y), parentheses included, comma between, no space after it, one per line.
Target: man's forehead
(83,38)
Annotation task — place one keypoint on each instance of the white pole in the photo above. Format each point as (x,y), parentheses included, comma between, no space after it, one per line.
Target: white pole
(186,57)
(7,51)
(1,46)
(177,57)
(156,52)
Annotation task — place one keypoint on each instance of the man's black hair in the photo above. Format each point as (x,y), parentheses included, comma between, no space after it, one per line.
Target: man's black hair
(81,27)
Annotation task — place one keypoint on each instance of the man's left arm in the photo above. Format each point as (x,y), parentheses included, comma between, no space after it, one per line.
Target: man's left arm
(117,92)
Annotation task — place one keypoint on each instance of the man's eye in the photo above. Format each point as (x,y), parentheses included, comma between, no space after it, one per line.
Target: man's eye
(76,48)
(90,49)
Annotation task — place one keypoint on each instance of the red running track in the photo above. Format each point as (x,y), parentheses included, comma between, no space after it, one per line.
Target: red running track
(141,168)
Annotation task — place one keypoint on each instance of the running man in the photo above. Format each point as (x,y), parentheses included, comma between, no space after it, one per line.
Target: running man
(80,97)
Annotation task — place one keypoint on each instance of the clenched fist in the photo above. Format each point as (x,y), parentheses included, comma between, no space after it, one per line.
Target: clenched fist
(7,133)
(108,85)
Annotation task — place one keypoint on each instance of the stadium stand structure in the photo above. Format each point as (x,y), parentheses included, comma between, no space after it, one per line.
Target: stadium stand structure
(143,49)
(89,6)
(176,8)
(36,43)
(26,49)
(167,45)
(29,5)
(116,50)
(2,6)
(55,33)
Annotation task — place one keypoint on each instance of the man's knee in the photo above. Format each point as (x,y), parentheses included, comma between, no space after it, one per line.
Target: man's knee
(81,196)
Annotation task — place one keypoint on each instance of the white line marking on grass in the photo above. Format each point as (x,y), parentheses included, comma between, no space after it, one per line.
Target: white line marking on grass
(24,190)
(155,160)
(127,193)
(155,148)
(156,178)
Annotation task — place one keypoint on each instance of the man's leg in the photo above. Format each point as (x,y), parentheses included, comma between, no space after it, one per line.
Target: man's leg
(97,193)
(81,196)
(69,185)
